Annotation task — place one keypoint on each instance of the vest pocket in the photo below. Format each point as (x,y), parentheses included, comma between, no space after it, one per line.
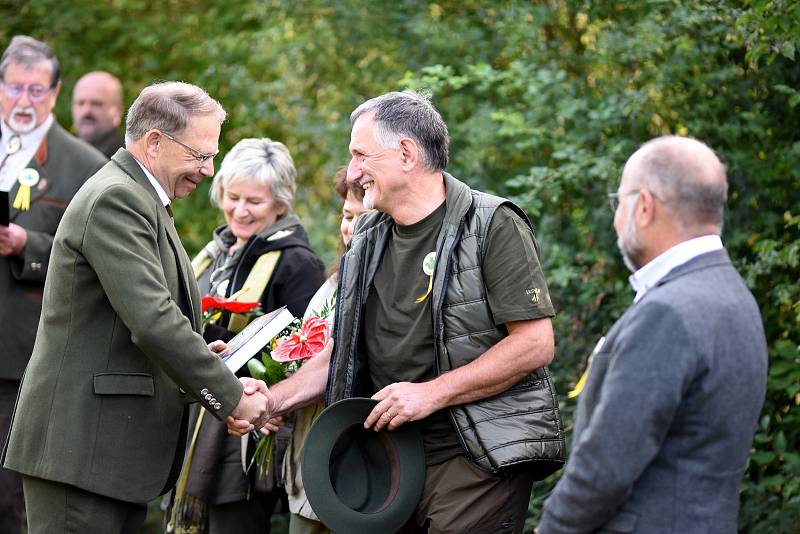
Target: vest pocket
(124,384)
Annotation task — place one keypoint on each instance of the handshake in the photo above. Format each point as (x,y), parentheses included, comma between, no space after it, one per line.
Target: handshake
(255,409)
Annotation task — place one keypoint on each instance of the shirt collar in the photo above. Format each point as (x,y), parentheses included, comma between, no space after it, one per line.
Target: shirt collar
(29,139)
(648,276)
(162,195)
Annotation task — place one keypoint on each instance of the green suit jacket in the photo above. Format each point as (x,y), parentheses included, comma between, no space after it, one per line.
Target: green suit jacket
(102,403)
(64,163)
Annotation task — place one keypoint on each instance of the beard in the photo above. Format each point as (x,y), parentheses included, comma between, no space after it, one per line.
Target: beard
(369,202)
(369,194)
(22,127)
(629,244)
(90,129)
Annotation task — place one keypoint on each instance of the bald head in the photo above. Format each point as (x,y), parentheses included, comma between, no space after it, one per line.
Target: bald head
(686,176)
(96,105)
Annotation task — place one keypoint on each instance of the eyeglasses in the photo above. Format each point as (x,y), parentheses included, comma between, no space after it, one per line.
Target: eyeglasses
(36,93)
(199,156)
(613,198)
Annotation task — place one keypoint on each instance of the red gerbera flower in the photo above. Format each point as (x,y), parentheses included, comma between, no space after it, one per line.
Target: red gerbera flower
(312,338)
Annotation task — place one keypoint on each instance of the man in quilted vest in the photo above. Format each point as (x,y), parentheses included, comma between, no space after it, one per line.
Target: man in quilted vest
(454,330)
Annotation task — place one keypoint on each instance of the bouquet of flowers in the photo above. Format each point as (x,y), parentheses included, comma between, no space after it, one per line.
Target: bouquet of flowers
(294,345)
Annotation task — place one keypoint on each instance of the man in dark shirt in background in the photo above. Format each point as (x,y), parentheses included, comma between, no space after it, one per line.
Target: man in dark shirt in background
(97,111)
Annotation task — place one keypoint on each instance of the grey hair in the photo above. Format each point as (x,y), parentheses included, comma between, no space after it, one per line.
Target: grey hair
(263,161)
(168,106)
(29,53)
(409,114)
(692,185)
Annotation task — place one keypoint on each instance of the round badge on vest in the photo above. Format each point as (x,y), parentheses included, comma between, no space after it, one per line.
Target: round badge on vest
(359,481)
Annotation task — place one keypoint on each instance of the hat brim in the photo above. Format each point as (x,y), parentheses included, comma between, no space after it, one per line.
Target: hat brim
(405,455)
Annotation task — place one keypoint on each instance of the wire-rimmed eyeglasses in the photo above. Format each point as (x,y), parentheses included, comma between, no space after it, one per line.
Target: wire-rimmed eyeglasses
(36,93)
(199,156)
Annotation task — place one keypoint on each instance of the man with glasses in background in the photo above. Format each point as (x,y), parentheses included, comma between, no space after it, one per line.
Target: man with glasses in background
(666,418)
(41,168)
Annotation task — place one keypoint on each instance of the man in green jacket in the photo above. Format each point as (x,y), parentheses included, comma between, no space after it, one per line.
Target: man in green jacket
(41,167)
(100,424)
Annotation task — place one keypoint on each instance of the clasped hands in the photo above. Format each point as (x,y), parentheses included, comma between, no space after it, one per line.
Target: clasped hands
(256,406)
(255,410)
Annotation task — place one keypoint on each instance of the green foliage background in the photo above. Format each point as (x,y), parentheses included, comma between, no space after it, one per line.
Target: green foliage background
(545,100)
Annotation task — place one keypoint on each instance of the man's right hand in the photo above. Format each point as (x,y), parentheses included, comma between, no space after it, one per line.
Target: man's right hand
(254,408)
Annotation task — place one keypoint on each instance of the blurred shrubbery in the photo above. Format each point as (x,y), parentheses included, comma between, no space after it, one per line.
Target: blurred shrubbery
(545,100)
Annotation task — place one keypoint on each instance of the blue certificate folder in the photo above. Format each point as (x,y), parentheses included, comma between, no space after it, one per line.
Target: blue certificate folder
(255,337)
(4,208)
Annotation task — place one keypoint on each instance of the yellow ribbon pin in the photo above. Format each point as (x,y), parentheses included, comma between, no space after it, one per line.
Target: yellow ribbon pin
(579,386)
(27,179)
(428,266)
(585,376)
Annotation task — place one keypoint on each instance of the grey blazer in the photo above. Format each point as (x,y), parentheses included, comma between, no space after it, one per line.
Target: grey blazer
(666,420)
(118,355)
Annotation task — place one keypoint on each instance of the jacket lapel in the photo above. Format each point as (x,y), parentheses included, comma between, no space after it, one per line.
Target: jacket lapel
(124,159)
(39,164)
(184,270)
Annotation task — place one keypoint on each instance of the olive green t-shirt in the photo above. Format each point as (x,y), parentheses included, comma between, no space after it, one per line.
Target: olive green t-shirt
(398,328)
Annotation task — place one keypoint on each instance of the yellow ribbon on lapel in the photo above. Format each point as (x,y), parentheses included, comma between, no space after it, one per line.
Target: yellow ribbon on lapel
(579,386)
(27,179)
(585,376)
(22,201)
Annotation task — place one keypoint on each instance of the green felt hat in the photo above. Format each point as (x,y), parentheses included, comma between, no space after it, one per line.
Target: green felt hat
(358,480)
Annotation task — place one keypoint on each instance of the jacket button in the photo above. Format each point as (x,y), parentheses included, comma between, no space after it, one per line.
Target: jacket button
(217,406)
(212,401)
(209,396)
(203,391)
(36,266)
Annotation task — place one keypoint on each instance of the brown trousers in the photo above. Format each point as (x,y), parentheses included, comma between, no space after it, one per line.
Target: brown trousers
(460,497)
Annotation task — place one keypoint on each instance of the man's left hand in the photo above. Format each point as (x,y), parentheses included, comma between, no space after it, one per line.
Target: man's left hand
(218,347)
(402,402)
(13,239)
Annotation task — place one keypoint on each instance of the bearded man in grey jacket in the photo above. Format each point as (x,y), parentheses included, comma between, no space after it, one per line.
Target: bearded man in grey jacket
(666,419)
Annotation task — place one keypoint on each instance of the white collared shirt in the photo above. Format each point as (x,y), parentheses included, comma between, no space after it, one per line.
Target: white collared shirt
(29,144)
(648,276)
(162,195)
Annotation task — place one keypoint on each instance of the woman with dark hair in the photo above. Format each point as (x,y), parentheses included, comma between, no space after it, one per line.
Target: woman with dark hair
(303,520)
(261,254)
